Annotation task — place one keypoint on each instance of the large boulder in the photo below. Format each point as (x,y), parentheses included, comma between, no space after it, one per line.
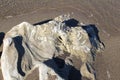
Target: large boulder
(57,48)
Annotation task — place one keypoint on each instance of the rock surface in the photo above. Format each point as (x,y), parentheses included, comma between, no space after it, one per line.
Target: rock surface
(53,47)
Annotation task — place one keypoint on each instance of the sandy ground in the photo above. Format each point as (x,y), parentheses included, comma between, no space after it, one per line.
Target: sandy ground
(105,14)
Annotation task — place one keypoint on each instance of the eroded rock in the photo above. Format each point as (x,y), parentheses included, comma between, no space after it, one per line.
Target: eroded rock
(26,47)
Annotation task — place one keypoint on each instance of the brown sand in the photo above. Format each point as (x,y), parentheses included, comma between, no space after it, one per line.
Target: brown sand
(105,14)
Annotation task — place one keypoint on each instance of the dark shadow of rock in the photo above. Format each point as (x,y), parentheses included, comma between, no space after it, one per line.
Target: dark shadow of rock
(2,34)
(42,22)
(71,22)
(60,63)
(20,49)
(74,74)
(64,70)
(0,54)
(93,34)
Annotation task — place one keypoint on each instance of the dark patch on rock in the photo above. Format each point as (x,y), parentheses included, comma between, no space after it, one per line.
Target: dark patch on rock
(2,34)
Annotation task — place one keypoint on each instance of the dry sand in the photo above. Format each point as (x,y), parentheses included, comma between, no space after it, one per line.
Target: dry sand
(105,14)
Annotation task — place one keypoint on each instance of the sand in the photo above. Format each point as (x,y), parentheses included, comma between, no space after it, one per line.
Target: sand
(105,14)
